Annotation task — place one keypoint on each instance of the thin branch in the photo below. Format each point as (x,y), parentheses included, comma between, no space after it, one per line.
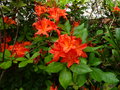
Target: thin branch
(4,33)
(2,75)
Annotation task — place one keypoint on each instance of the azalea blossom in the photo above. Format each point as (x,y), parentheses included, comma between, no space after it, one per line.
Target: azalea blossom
(44,26)
(116,9)
(8,20)
(56,13)
(40,10)
(53,87)
(75,24)
(19,50)
(8,39)
(69,48)
(71,57)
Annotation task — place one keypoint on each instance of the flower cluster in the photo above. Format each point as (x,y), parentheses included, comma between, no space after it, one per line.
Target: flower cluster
(18,49)
(56,13)
(8,20)
(69,48)
(40,10)
(43,25)
(75,24)
(116,9)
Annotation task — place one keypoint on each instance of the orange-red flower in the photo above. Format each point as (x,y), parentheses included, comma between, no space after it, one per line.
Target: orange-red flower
(40,10)
(69,48)
(53,87)
(44,26)
(75,24)
(18,50)
(56,13)
(71,57)
(116,9)
(8,39)
(8,20)
(26,43)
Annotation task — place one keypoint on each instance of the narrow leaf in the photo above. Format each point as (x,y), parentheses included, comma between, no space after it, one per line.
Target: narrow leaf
(21,59)
(35,55)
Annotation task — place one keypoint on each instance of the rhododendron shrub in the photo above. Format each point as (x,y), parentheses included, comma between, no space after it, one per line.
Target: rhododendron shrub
(51,45)
(69,48)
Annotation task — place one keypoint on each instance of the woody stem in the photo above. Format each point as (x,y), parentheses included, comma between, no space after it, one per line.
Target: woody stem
(4,33)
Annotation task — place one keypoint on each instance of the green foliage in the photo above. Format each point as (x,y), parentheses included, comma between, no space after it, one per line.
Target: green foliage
(81,32)
(6,65)
(107,77)
(33,71)
(67,27)
(54,67)
(81,79)
(35,55)
(80,68)
(93,61)
(65,78)
(92,49)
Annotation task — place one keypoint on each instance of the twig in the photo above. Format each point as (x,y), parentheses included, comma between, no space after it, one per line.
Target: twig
(2,75)
(4,33)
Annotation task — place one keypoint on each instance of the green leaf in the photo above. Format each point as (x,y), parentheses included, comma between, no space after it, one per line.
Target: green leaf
(63,2)
(117,33)
(21,4)
(80,68)
(65,78)
(27,55)
(81,32)
(80,27)
(7,53)
(81,79)
(84,35)
(115,53)
(6,8)
(6,65)
(97,74)
(21,38)
(22,64)
(30,61)
(92,49)
(93,61)
(35,55)
(54,67)
(48,58)
(41,67)
(21,59)
(110,41)
(99,32)
(110,77)
(83,60)
(107,86)
(67,27)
